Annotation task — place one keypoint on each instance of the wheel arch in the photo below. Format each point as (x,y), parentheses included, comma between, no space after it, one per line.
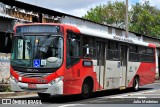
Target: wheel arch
(137,76)
(90,80)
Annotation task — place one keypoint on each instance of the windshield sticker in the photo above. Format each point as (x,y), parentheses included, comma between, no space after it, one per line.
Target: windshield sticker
(36,63)
(43,61)
(20,49)
(27,49)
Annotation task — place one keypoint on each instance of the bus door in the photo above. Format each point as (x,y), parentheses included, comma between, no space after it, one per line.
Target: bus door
(100,63)
(123,59)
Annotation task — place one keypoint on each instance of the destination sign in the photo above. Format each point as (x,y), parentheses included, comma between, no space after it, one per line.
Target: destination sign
(38,28)
(122,39)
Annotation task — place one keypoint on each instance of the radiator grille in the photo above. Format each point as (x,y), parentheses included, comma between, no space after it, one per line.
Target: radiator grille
(33,75)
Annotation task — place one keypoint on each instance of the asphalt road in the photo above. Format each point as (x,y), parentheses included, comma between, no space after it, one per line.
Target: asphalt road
(148,95)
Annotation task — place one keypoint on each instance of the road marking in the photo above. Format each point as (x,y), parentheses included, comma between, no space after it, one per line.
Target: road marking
(137,93)
(151,91)
(156,83)
(70,105)
(151,94)
(145,93)
(141,97)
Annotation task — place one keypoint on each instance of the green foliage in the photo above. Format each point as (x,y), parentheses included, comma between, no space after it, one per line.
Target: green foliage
(112,14)
(5,88)
(143,18)
(95,14)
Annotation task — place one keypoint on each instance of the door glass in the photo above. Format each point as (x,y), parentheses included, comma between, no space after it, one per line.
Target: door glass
(100,53)
(123,55)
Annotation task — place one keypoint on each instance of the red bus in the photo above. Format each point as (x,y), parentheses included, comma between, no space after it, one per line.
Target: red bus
(60,59)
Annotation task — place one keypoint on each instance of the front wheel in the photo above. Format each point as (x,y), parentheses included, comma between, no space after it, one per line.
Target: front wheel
(43,95)
(86,90)
(135,84)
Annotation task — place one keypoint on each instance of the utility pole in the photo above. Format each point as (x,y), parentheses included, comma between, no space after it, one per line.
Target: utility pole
(126,19)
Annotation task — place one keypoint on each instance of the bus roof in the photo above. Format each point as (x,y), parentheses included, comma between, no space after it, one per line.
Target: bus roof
(96,33)
(105,35)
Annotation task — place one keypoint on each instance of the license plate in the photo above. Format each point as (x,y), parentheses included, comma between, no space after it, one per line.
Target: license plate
(32,86)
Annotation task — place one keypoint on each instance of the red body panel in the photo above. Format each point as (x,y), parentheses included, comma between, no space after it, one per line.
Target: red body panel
(152,46)
(146,72)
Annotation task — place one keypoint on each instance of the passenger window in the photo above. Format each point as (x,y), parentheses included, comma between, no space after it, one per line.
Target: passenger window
(89,50)
(150,51)
(141,50)
(112,45)
(113,51)
(141,54)
(73,49)
(133,55)
(150,55)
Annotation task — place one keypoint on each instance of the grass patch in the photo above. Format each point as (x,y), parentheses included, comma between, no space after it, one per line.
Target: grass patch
(5,88)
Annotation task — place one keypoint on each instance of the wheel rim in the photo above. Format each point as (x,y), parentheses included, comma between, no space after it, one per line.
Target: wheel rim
(85,89)
(136,84)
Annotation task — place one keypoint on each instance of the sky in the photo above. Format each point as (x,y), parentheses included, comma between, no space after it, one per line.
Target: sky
(78,7)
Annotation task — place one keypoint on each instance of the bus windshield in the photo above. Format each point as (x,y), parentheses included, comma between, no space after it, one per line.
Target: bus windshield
(37,51)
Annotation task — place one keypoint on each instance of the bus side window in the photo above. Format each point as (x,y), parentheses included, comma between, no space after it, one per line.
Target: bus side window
(150,55)
(113,51)
(133,55)
(142,54)
(89,50)
(73,49)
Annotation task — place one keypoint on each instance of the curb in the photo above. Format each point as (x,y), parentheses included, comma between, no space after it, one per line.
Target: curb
(10,94)
(157,81)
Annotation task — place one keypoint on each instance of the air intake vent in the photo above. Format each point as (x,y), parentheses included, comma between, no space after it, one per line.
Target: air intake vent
(33,75)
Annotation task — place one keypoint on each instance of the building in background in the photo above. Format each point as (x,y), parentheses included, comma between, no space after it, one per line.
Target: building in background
(6,32)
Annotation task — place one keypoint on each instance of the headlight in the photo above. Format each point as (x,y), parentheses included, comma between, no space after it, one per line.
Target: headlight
(56,80)
(12,77)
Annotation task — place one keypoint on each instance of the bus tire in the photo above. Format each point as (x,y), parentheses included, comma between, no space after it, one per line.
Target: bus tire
(86,90)
(135,84)
(43,95)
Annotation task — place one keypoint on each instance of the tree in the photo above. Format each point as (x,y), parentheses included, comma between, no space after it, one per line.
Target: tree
(111,14)
(143,18)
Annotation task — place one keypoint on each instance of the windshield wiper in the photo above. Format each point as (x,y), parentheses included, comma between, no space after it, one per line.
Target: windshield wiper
(44,40)
(24,38)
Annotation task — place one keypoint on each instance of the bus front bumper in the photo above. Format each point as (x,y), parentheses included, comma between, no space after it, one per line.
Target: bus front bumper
(55,89)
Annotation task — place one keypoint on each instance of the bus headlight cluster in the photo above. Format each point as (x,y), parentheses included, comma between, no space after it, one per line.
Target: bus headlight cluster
(56,80)
(13,78)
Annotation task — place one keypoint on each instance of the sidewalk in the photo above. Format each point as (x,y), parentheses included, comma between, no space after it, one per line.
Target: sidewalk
(6,92)
(12,94)
(157,81)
